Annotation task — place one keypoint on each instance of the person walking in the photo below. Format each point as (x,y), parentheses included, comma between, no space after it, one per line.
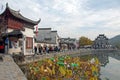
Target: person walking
(35,49)
(40,50)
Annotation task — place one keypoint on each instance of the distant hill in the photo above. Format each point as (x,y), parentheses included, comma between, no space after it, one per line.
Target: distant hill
(115,41)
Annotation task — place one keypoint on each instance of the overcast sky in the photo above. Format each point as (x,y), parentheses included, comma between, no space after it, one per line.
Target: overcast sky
(72,18)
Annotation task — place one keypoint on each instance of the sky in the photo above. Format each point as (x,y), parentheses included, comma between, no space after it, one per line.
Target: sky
(72,18)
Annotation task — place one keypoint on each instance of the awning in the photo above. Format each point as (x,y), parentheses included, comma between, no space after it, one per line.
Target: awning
(14,33)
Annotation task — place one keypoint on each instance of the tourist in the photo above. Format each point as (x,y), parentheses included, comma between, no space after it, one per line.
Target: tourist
(40,49)
(35,49)
(47,49)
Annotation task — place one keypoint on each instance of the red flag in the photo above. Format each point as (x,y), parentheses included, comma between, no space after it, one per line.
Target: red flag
(36,30)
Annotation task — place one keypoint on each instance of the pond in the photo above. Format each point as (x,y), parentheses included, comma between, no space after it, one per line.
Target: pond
(110,65)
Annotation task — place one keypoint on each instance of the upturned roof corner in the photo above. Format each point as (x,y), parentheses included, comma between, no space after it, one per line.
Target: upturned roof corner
(18,15)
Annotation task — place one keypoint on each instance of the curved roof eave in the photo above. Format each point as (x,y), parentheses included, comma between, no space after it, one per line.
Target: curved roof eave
(18,15)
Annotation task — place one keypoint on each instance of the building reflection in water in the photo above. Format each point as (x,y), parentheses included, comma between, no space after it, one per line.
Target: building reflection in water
(104,57)
(109,60)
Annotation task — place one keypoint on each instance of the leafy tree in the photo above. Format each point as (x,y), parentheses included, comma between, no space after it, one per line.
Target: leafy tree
(85,41)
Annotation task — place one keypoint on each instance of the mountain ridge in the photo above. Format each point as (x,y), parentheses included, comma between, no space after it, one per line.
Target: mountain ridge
(115,41)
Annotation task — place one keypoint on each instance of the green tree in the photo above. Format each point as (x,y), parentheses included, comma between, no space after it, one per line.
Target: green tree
(85,41)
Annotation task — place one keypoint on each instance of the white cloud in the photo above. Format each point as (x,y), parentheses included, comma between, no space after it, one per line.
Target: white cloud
(72,18)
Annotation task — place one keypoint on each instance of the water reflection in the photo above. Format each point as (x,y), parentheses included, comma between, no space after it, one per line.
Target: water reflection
(103,58)
(110,64)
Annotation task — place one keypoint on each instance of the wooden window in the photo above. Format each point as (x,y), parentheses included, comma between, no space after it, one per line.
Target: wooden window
(29,42)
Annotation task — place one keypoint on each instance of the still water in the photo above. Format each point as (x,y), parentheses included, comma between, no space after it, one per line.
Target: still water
(110,65)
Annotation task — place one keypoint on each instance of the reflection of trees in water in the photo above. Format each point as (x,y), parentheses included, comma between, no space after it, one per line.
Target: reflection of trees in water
(103,58)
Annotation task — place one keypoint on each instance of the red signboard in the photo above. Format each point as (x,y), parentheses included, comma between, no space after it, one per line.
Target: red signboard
(14,24)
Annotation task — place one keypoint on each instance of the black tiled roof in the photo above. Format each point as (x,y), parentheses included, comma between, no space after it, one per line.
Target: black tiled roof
(18,15)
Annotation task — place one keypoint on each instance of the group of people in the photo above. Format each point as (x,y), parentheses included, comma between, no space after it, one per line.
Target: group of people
(45,49)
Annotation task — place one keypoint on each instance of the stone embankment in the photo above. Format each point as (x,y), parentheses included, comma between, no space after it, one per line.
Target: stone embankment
(9,70)
(79,52)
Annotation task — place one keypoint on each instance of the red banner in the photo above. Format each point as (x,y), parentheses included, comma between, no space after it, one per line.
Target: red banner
(36,30)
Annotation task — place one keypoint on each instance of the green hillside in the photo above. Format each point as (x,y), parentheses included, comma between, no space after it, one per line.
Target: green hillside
(115,41)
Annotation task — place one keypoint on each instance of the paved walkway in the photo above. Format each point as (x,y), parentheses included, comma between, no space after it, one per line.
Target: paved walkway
(9,69)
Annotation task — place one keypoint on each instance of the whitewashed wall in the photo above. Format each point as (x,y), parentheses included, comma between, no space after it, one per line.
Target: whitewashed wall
(10,30)
(28,32)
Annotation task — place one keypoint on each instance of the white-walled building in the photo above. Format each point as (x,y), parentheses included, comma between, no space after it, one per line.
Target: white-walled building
(17,33)
(47,37)
(68,43)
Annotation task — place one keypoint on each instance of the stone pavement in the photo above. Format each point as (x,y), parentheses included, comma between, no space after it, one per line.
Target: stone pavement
(9,70)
